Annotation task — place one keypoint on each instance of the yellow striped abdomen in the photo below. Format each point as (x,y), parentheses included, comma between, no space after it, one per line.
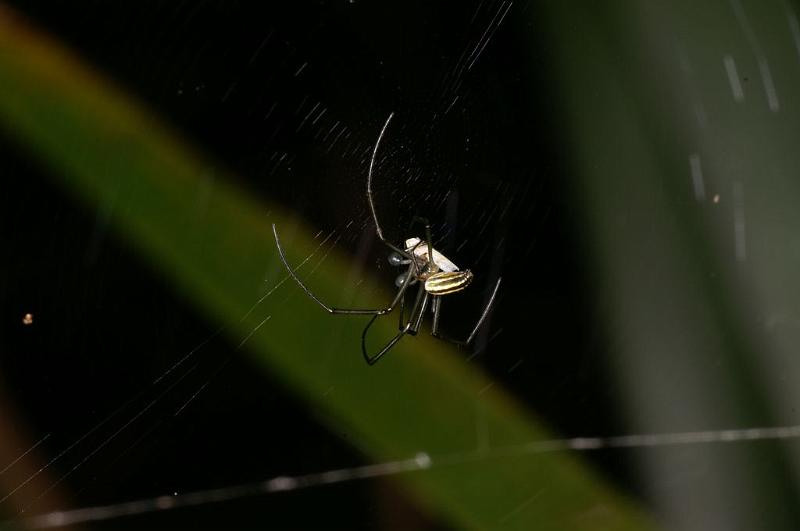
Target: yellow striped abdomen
(446,282)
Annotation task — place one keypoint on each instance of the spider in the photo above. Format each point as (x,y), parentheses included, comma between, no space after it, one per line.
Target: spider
(433,272)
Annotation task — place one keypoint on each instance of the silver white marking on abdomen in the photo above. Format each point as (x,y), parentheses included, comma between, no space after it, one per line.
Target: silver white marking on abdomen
(447,282)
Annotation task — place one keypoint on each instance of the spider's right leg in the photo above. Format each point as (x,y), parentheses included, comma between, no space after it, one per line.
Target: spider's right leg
(437,306)
(428,239)
(342,311)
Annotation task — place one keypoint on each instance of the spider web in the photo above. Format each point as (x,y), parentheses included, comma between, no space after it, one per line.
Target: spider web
(477,217)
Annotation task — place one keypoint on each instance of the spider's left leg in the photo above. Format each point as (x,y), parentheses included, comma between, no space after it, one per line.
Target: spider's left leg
(437,306)
(342,311)
(401,312)
(414,318)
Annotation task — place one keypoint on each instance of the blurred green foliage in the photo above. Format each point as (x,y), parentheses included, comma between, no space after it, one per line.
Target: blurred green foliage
(681,123)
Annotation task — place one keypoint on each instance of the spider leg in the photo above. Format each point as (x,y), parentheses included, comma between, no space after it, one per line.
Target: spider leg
(371,360)
(342,311)
(414,319)
(369,183)
(419,312)
(371,202)
(401,313)
(437,306)
(428,240)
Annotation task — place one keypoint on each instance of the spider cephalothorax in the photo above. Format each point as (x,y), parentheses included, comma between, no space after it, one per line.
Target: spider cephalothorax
(436,275)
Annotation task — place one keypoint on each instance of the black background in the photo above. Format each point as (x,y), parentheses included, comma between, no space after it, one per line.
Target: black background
(225,75)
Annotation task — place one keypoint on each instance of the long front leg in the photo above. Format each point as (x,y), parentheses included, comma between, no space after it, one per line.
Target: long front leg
(369,183)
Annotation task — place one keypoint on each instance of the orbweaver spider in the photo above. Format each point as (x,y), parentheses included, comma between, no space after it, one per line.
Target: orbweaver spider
(435,274)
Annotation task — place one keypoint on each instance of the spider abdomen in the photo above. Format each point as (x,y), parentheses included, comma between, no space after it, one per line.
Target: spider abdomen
(446,282)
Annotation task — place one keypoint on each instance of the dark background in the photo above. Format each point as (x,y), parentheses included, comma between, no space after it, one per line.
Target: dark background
(475,150)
